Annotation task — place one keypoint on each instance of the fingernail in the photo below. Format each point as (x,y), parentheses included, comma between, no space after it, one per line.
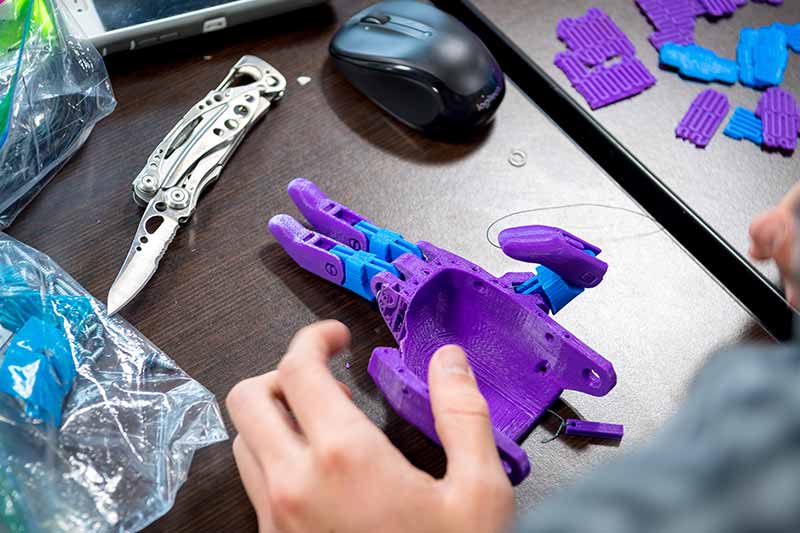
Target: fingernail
(453,360)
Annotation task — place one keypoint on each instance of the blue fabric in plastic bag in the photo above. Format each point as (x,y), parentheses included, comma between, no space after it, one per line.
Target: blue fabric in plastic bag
(98,427)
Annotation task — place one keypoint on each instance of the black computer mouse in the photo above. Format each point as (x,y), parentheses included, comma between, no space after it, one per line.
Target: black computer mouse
(421,65)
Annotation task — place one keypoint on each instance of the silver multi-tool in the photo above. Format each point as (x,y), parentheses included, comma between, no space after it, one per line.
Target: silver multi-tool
(188,160)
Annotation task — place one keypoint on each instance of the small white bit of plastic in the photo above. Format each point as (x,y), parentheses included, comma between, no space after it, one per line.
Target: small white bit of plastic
(303,80)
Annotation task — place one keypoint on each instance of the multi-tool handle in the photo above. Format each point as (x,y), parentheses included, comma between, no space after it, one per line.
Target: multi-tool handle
(193,154)
(188,160)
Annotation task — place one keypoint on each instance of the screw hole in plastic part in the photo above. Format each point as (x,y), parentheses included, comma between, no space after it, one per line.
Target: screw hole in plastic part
(542,367)
(219,131)
(161,206)
(143,239)
(549,337)
(218,97)
(591,377)
(138,248)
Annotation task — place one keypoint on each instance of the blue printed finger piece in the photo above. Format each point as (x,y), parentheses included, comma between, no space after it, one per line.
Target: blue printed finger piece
(762,56)
(744,124)
(38,369)
(699,63)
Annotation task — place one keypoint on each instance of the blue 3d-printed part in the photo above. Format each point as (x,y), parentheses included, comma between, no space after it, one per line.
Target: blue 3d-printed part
(552,287)
(762,56)
(792,32)
(744,124)
(385,243)
(771,56)
(38,369)
(359,268)
(699,63)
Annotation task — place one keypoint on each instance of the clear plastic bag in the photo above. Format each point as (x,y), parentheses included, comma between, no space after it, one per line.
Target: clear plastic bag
(53,89)
(98,427)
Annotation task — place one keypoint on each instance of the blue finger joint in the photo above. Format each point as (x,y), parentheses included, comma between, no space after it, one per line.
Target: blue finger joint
(556,292)
(744,124)
(359,269)
(386,244)
(699,63)
(762,55)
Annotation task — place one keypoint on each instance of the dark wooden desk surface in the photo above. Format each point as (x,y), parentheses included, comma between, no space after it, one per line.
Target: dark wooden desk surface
(227,299)
(729,182)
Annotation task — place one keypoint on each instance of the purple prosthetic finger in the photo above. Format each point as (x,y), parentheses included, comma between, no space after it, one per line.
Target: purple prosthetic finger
(778,112)
(595,37)
(598,430)
(327,216)
(569,256)
(345,225)
(409,397)
(309,249)
(352,269)
(704,117)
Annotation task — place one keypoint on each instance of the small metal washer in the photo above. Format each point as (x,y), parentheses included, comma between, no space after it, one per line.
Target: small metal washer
(518,158)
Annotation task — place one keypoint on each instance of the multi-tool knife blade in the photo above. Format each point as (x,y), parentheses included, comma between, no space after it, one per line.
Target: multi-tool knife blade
(187,161)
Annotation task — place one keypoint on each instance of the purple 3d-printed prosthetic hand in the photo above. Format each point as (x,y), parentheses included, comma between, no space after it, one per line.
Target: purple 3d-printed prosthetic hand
(429,297)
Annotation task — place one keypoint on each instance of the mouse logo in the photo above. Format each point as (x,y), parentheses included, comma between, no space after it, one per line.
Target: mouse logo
(487,99)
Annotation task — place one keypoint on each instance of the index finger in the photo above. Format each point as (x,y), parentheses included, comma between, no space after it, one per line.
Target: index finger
(314,396)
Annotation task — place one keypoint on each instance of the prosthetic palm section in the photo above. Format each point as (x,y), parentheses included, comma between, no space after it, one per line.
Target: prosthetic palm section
(429,297)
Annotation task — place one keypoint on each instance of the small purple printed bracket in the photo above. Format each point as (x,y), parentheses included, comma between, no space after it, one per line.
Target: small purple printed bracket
(674,20)
(594,39)
(428,297)
(704,117)
(777,110)
(721,8)
(597,430)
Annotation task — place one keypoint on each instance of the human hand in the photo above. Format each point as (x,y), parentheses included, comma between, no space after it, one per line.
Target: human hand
(310,460)
(773,237)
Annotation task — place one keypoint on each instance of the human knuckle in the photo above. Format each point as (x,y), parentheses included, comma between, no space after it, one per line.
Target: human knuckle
(289,365)
(335,454)
(288,498)
(238,395)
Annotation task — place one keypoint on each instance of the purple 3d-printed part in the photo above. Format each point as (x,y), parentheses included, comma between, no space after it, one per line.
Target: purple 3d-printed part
(592,40)
(702,120)
(606,85)
(594,37)
(556,249)
(721,8)
(329,217)
(674,20)
(584,428)
(572,66)
(777,110)
(522,358)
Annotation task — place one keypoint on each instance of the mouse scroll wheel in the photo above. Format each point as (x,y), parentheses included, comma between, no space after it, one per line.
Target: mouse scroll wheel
(375,19)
